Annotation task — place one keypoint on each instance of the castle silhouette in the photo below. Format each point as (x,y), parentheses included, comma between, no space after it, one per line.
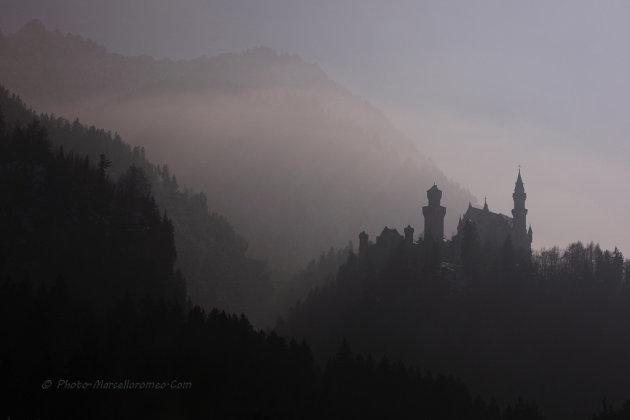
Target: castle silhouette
(492,228)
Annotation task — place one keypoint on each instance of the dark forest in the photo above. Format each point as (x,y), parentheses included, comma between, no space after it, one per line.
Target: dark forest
(110,311)
(205,264)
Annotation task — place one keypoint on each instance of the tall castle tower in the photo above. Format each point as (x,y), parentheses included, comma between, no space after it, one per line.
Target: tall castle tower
(520,235)
(434,215)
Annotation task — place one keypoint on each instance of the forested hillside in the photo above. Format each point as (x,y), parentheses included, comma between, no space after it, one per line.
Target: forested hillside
(319,272)
(63,221)
(94,322)
(208,365)
(553,328)
(282,228)
(304,164)
(210,254)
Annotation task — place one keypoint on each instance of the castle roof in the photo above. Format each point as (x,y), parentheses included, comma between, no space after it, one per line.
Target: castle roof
(487,220)
(494,228)
(388,236)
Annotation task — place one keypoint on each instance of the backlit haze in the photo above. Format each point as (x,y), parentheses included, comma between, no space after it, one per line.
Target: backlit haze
(480,87)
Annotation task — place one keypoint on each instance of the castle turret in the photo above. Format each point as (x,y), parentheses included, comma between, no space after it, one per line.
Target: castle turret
(519,213)
(434,215)
(408,235)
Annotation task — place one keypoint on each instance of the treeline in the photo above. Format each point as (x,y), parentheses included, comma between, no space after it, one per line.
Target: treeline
(59,215)
(608,413)
(584,264)
(317,273)
(577,264)
(218,364)
(210,254)
(89,292)
(551,327)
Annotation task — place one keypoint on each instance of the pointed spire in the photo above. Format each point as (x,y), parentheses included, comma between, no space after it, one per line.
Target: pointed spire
(519,180)
(485,203)
(519,187)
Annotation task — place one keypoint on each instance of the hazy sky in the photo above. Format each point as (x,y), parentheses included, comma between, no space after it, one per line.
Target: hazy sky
(481,86)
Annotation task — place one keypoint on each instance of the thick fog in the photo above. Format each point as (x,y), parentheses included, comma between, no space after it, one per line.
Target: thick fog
(482,87)
(295,161)
(167,165)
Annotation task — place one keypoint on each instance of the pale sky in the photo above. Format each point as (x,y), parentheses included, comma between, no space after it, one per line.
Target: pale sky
(482,87)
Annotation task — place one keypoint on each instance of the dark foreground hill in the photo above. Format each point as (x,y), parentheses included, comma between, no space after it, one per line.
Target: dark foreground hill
(553,328)
(294,160)
(94,324)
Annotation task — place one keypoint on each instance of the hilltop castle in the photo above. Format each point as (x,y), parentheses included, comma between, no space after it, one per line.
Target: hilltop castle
(491,227)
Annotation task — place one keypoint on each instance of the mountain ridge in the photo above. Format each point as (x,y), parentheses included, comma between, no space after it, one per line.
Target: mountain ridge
(303,163)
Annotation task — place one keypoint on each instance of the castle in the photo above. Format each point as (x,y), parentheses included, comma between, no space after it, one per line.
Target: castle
(491,227)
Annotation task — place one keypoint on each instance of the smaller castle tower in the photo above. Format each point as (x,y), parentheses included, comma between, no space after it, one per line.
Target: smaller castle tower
(409,235)
(434,215)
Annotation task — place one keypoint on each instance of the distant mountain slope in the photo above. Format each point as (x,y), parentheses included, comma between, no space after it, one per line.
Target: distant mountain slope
(210,253)
(91,301)
(294,160)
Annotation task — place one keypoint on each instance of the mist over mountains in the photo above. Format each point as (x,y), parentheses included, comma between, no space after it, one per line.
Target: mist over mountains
(294,160)
(144,203)
(89,288)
